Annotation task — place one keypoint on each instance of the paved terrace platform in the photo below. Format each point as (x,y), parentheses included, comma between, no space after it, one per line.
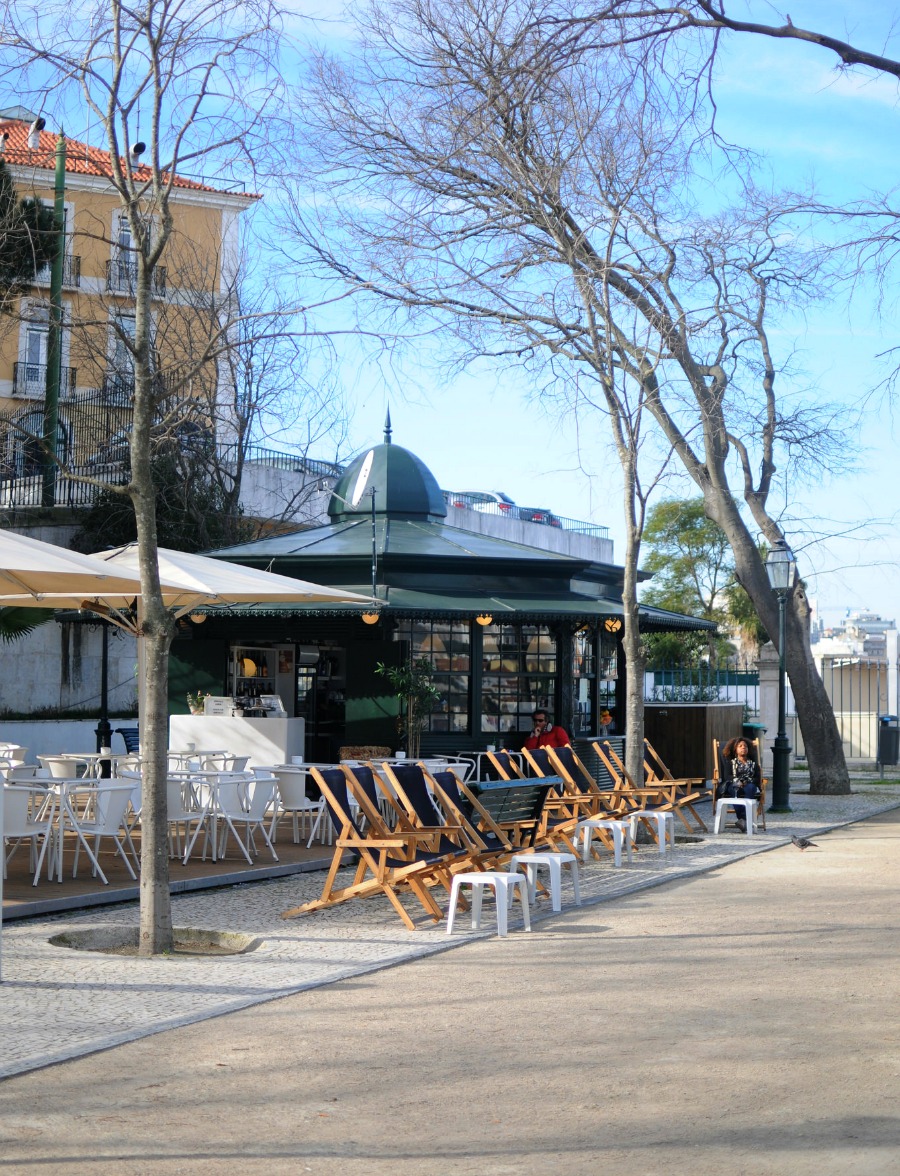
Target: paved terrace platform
(58,1004)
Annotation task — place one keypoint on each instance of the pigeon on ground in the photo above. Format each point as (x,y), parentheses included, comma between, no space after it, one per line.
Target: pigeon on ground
(803,842)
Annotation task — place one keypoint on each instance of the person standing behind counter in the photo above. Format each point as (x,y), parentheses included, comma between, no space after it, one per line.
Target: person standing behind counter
(546,734)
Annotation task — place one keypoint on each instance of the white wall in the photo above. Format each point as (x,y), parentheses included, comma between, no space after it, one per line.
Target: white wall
(58,665)
(51,736)
(269,492)
(531,534)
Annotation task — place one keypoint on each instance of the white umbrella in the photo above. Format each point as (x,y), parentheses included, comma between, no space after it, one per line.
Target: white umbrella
(186,581)
(38,572)
(189,580)
(31,570)
(35,574)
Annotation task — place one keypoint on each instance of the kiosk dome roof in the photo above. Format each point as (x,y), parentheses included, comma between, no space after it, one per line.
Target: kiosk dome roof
(404,486)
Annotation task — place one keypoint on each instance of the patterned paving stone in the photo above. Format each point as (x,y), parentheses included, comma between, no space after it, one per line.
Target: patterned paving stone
(57,1003)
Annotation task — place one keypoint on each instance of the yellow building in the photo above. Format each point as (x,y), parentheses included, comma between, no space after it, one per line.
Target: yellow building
(192,296)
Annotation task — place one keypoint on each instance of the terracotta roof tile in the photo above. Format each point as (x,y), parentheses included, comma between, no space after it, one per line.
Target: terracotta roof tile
(80,158)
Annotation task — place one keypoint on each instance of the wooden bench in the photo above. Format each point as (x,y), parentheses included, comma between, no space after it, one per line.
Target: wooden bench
(515,808)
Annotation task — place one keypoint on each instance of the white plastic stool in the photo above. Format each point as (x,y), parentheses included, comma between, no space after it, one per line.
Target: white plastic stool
(622,834)
(665,825)
(554,862)
(749,806)
(502,884)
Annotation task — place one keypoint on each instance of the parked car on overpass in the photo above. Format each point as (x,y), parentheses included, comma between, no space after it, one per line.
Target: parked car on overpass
(497,503)
(486,501)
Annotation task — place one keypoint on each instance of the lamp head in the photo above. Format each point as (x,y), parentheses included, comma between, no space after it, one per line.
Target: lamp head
(780,567)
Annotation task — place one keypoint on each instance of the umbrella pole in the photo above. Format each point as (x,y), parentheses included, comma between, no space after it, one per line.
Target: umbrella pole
(104,730)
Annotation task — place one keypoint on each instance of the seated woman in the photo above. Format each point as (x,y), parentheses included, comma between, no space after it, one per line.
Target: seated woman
(740,775)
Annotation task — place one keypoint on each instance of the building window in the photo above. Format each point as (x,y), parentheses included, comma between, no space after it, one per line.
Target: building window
(585,680)
(518,675)
(118,384)
(30,370)
(448,646)
(607,678)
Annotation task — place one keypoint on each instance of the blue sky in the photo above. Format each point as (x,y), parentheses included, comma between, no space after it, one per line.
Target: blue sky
(484,430)
(839,131)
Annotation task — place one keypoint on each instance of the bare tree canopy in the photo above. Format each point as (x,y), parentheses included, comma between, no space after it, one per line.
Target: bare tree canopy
(634,22)
(559,208)
(170,89)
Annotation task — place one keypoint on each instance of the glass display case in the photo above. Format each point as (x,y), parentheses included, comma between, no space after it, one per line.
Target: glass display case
(252,671)
(259,671)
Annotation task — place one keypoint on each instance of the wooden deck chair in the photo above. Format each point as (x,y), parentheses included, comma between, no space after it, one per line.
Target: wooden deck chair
(410,787)
(689,790)
(580,783)
(367,778)
(630,797)
(505,766)
(562,811)
(722,773)
(388,861)
(490,844)
(516,810)
(588,799)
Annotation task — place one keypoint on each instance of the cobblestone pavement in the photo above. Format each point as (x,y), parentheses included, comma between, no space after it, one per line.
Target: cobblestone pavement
(58,1003)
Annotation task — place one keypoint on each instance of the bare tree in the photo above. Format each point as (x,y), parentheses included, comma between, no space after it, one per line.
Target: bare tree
(203,79)
(533,200)
(633,22)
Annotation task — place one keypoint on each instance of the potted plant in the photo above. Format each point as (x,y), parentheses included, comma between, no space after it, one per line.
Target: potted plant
(417,692)
(196,701)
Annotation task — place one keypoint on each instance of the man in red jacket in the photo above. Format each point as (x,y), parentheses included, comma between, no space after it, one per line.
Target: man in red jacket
(545,734)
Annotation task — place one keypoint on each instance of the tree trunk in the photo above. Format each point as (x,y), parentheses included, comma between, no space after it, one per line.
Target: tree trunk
(824,750)
(156,934)
(821,737)
(154,640)
(635,659)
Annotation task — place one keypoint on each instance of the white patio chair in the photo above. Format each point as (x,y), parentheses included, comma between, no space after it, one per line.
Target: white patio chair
(13,752)
(125,765)
(292,799)
(244,802)
(64,767)
(184,809)
(27,773)
(28,815)
(224,763)
(206,787)
(103,815)
(132,777)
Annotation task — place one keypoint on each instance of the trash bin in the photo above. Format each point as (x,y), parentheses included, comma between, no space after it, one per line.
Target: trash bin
(888,740)
(753,731)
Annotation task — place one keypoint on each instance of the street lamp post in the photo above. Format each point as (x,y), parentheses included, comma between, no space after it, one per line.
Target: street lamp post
(780,568)
(54,333)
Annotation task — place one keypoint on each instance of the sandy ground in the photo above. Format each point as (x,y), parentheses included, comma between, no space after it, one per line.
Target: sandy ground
(744,1021)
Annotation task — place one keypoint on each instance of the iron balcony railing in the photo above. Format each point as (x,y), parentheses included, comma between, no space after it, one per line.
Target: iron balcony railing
(71,273)
(30,379)
(258,455)
(118,387)
(526,514)
(121,278)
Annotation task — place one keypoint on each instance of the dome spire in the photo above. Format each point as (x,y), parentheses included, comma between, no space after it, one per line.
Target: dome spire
(387,427)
